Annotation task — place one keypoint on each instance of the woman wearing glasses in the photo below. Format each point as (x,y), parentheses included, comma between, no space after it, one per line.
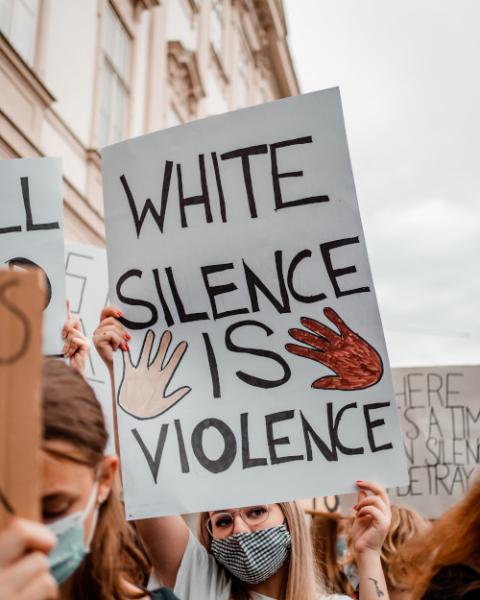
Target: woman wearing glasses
(251,553)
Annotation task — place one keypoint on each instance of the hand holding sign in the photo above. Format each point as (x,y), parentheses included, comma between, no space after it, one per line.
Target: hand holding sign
(24,573)
(76,344)
(142,392)
(356,364)
(372,518)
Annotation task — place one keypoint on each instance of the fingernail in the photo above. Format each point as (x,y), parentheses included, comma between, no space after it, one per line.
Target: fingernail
(355,507)
(129,337)
(359,481)
(119,313)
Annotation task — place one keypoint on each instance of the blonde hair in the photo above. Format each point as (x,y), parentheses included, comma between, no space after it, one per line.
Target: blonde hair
(301,581)
(325,529)
(406,525)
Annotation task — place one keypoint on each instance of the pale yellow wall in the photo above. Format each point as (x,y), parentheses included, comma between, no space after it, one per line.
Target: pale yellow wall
(71,47)
(51,107)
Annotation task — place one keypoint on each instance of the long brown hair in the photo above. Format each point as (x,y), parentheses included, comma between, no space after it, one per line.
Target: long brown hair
(72,413)
(453,540)
(324,530)
(301,581)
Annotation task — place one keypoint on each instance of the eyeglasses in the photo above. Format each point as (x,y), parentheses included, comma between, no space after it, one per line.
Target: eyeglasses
(221,524)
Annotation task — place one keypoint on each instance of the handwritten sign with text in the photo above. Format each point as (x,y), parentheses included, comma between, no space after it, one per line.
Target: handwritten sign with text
(31,233)
(258,370)
(87,289)
(440,415)
(21,305)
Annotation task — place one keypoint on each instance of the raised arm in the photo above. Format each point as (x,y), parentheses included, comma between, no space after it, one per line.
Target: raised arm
(371,524)
(165,538)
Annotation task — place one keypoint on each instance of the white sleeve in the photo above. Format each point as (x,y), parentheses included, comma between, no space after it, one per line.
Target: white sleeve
(200,576)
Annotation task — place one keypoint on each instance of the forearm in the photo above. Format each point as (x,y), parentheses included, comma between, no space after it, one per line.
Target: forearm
(165,539)
(371,577)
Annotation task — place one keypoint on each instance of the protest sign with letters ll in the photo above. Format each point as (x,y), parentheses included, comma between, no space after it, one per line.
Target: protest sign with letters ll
(257,371)
(440,416)
(87,290)
(21,305)
(31,233)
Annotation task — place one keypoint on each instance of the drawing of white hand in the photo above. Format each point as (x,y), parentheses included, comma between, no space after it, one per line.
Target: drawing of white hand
(143,390)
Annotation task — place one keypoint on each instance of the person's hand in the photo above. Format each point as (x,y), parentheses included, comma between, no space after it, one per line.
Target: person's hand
(356,364)
(76,345)
(372,518)
(143,390)
(24,573)
(110,335)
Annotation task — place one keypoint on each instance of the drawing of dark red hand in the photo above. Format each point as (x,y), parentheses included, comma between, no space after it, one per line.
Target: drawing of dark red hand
(356,364)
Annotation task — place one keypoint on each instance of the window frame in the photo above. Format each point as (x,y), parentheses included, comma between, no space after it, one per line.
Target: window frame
(119,80)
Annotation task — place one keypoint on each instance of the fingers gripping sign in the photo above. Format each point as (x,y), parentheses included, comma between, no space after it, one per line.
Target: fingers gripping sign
(143,390)
(356,364)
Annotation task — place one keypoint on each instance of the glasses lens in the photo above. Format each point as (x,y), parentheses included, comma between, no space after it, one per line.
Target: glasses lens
(221,522)
(254,515)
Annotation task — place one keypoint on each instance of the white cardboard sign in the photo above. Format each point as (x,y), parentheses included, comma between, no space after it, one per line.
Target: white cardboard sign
(31,233)
(87,289)
(257,369)
(440,417)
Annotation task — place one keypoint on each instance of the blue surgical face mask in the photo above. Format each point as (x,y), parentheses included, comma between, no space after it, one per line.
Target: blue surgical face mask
(341,546)
(71,548)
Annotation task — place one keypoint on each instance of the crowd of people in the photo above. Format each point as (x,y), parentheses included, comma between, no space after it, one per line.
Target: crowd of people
(85,548)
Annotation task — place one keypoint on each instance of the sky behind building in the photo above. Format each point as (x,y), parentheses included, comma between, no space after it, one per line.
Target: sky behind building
(409,75)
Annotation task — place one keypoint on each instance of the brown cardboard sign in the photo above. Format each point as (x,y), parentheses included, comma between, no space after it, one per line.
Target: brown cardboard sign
(21,305)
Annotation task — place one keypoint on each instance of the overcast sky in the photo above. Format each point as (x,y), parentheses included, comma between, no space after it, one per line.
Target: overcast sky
(409,75)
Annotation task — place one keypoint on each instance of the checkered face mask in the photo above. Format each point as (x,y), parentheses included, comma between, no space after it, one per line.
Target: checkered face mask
(254,556)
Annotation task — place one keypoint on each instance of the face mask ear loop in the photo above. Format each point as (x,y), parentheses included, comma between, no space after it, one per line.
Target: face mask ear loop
(91,502)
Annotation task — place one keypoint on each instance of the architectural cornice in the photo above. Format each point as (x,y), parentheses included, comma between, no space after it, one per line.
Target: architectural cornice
(272,20)
(13,64)
(146,4)
(187,61)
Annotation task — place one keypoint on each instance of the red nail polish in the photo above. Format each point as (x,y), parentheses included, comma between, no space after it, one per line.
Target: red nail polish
(119,313)
(127,347)
(129,337)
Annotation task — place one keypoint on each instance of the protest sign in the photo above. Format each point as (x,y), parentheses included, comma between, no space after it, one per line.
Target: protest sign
(87,289)
(257,371)
(31,233)
(440,417)
(21,305)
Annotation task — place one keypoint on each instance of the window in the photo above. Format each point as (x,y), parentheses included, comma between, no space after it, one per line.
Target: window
(18,23)
(115,80)
(216,25)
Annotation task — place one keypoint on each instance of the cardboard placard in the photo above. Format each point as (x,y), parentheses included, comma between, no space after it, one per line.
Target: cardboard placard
(440,416)
(21,305)
(258,370)
(87,289)
(31,233)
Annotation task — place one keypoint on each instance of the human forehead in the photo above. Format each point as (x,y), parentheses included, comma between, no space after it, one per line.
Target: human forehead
(59,474)
(239,508)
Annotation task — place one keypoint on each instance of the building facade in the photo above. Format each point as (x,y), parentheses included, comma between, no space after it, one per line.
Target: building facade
(77,75)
